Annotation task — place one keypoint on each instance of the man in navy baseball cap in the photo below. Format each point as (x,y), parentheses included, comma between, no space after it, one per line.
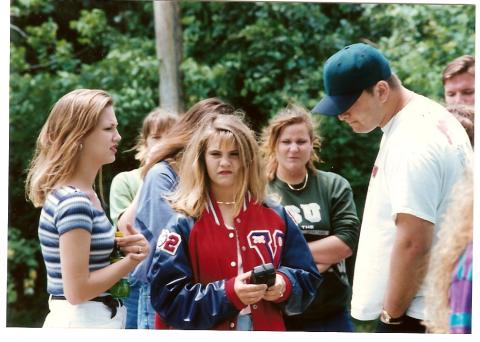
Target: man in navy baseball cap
(347,73)
(423,153)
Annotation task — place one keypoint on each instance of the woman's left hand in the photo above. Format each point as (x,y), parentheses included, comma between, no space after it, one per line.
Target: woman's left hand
(277,290)
(133,243)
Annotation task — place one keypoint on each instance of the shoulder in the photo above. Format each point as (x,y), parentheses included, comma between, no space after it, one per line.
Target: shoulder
(180,223)
(68,194)
(162,167)
(160,172)
(331,179)
(272,202)
(67,200)
(130,179)
(127,176)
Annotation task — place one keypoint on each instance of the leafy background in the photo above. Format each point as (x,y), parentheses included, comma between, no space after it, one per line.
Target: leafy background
(259,56)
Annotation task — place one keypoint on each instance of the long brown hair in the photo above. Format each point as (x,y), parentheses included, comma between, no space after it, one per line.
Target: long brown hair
(158,122)
(291,115)
(171,146)
(455,234)
(193,188)
(72,117)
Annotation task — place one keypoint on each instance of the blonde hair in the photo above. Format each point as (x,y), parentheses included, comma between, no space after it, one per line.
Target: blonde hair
(455,234)
(171,146)
(158,122)
(291,115)
(193,188)
(72,117)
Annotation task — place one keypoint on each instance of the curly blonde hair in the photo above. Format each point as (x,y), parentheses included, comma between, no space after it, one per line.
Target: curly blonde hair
(455,234)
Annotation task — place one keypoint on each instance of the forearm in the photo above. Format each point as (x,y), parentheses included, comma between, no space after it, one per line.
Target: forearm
(128,216)
(408,263)
(329,250)
(407,271)
(80,287)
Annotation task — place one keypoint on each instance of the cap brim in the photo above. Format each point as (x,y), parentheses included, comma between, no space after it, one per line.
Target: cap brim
(335,105)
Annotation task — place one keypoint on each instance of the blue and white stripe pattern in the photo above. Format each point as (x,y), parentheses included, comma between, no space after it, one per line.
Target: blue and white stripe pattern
(65,209)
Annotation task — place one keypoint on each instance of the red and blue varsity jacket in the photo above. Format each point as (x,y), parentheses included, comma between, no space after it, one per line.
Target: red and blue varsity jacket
(195,264)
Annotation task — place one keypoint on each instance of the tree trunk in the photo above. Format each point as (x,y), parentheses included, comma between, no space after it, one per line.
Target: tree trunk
(168,33)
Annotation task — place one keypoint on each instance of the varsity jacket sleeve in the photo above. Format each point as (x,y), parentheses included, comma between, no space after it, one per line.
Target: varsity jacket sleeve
(153,212)
(343,215)
(298,266)
(180,302)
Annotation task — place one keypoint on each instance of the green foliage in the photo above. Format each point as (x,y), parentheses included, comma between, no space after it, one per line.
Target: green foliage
(22,254)
(259,56)
(420,40)
(23,271)
(92,27)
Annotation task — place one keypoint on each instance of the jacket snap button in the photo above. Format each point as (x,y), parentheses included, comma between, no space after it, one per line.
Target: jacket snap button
(233,264)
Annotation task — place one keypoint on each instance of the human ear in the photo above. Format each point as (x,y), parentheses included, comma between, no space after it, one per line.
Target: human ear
(382,91)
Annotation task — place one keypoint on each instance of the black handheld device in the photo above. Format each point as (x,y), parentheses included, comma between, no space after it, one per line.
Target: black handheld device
(263,274)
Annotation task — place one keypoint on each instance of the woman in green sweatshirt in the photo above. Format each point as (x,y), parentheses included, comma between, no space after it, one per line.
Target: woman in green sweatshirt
(322,205)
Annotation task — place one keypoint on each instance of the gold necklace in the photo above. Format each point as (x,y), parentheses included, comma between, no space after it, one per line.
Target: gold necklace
(227,203)
(303,186)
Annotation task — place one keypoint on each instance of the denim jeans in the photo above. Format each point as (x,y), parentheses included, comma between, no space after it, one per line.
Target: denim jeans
(146,313)
(336,322)
(131,303)
(244,323)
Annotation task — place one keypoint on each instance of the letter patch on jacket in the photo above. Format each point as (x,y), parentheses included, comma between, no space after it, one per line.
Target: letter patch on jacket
(168,241)
(266,246)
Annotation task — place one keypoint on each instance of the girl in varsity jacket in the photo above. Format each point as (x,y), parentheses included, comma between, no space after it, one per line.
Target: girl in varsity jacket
(200,275)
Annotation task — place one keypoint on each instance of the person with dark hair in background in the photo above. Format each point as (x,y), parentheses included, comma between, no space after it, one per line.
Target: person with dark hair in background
(423,153)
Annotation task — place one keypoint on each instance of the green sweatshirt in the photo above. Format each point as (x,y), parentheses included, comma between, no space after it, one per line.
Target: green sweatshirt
(324,207)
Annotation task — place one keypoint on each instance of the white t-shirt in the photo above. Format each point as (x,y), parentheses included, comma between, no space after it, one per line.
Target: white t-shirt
(423,152)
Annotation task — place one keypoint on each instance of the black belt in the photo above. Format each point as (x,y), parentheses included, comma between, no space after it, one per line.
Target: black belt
(109,301)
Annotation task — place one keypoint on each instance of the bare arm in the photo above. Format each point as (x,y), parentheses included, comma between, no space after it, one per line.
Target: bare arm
(128,216)
(329,250)
(408,262)
(79,283)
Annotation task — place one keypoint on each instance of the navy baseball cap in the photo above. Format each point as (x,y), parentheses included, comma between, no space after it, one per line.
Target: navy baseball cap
(347,74)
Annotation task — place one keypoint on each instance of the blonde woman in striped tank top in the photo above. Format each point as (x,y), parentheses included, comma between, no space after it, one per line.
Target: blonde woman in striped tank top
(76,237)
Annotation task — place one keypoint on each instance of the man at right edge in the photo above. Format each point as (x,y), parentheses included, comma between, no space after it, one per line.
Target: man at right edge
(423,152)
